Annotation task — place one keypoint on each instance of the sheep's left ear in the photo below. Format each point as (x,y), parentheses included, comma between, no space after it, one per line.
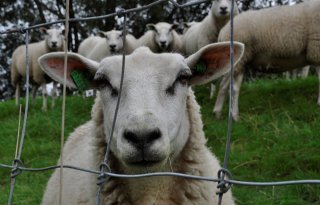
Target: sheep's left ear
(174,26)
(212,61)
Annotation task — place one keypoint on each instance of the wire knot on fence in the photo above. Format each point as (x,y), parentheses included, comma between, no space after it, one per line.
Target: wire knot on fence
(222,184)
(17,164)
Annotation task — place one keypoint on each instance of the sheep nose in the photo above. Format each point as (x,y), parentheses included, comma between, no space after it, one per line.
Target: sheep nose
(223,9)
(163,43)
(112,47)
(54,43)
(142,139)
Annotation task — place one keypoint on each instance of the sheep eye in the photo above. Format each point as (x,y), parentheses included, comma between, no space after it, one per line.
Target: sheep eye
(183,79)
(101,81)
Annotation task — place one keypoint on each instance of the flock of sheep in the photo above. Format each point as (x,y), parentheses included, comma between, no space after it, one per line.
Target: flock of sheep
(159,127)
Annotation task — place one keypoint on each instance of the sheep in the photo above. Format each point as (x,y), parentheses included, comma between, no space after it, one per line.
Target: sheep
(53,42)
(161,37)
(159,128)
(106,44)
(299,72)
(277,39)
(206,32)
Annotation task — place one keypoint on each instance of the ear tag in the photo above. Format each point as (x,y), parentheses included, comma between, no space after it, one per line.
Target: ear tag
(200,67)
(80,80)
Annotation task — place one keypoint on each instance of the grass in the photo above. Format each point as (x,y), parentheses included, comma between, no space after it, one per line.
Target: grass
(277,138)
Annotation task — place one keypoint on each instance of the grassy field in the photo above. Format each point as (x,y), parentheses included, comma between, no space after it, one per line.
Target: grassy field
(277,138)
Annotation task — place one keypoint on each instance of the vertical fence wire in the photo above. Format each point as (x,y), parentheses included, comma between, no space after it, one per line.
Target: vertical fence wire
(224,170)
(105,164)
(17,161)
(64,100)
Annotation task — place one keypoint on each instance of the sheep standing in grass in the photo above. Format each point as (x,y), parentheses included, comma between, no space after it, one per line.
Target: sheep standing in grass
(161,37)
(277,39)
(205,32)
(159,128)
(106,44)
(53,42)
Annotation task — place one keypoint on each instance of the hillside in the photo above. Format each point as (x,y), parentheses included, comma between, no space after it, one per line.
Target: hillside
(277,138)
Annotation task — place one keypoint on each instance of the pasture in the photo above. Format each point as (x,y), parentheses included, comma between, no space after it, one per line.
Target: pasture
(276,139)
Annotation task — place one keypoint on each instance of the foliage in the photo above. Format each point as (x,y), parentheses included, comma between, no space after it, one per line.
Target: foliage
(276,139)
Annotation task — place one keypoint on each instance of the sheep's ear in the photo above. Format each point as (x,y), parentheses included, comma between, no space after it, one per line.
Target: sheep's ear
(43,30)
(101,34)
(174,26)
(151,27)
(212,61)
(80,70)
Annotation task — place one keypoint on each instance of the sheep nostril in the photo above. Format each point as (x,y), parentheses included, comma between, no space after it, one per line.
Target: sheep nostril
(153,136)
(131,137)
(223,9)
(142,139)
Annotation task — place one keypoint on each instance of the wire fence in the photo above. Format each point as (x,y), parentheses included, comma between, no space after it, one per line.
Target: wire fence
(224,176)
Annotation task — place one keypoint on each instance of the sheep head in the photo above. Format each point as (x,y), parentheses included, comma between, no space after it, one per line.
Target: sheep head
(222,8)
(152,126)
(163,36)
(53,38)
(114,40)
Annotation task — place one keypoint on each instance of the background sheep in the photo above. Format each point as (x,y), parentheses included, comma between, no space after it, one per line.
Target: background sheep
(106,44)
(206,32)
(161,37)
(159,128)
(53,42)
(276,39)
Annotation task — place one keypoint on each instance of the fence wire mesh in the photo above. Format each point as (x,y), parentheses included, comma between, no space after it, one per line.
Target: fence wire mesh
(224,176)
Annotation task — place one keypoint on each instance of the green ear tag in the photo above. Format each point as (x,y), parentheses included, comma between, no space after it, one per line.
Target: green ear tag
(80,80)
(201,67)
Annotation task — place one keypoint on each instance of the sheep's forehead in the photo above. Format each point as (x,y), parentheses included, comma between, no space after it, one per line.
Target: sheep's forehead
(54,32)
(144,64)
(163,27)
(113,34)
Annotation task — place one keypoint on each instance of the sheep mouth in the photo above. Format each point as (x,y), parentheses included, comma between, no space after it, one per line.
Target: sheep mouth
(224,13)
(145,163)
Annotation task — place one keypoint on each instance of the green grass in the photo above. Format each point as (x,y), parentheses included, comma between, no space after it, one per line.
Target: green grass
(277,138)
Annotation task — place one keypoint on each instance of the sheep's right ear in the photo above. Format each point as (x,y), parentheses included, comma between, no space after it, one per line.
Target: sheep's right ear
(80,70)
(43,30)
(102,34)
(151,27)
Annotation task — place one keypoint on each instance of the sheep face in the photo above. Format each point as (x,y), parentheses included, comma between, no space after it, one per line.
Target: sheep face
(53,38)
(163,36)
(152,109)
(221,8)
(152,124)
(114,40)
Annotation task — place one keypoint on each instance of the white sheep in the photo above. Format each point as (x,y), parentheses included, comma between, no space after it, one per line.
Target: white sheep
(206,32)
(277,39)
(53,42)
(161,37)
(106,44)
(159,128)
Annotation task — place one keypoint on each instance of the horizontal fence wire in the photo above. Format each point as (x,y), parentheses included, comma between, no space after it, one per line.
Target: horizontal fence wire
(18,167)
(121,12)
(161,174)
